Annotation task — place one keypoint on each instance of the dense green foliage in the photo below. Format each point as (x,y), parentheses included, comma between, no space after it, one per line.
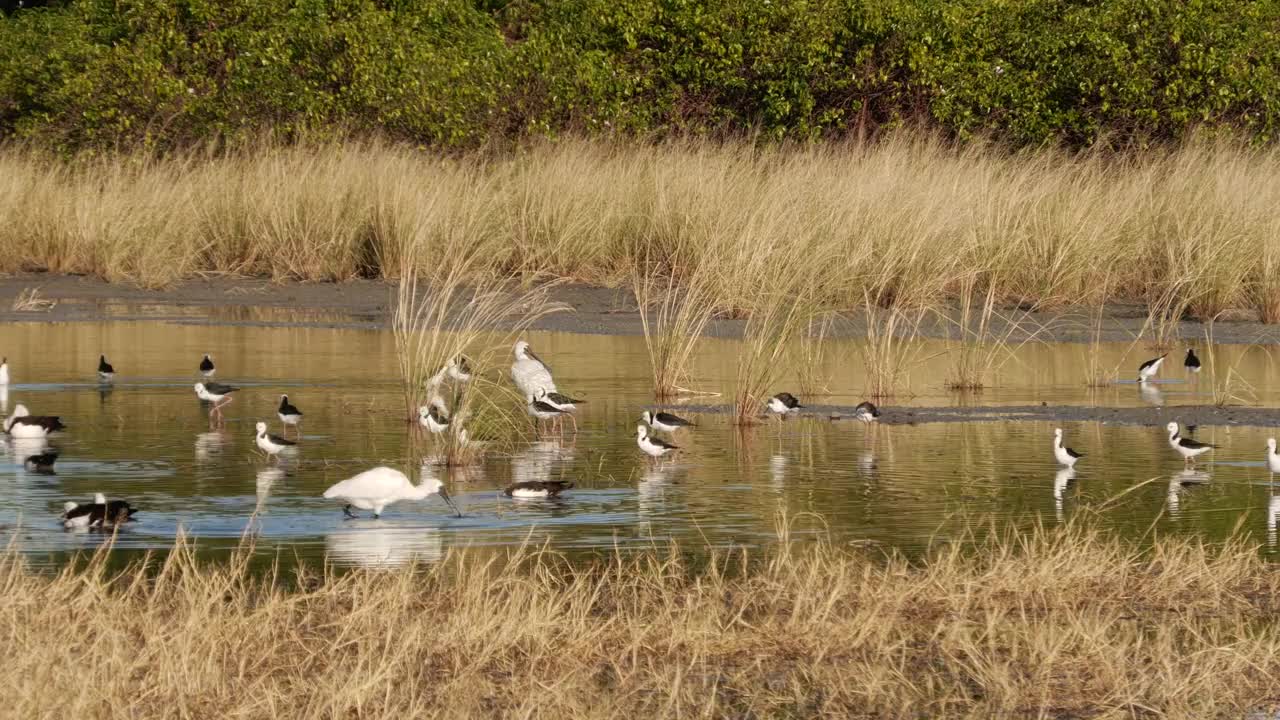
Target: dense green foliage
(458,73)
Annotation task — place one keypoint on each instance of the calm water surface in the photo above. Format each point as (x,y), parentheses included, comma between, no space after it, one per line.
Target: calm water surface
(146,438)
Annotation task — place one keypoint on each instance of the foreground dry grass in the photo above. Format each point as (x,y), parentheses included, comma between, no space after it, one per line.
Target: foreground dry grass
(1062,624)
(903,222)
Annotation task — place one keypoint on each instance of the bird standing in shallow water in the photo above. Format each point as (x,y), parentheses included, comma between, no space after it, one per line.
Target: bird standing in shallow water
(4,371)
(565,404)
(289,415)
(543,410)
(382,486)
(1273,458)
(433,417)
(665,421)
(1192,363)
(218,394)
(272,445)
(529,372)
(784,403)
(1148,369)
(1186,447)
(652,446)
(867,412)
(105,371)
(1065,456)
(22,424)
(206,366)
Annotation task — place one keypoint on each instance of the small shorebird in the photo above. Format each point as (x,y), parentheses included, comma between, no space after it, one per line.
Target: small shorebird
(382,486)
(433,417)
(206,366)
(272,445)
(652,446)
(1192,363)
(289,414)
(42,463)
(216,393)
(1148,369)
(565,404)
(1065,456)
(1273,458)
(529,372)
(537,488)
(543,410)
(105,371)
(866,411)
(784,403)
(4,371)
(459,368)
(98,513)
(22,424)
(1186,447)
(665,421)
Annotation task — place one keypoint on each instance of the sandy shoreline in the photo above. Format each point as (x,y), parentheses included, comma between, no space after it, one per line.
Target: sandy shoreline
(369,303)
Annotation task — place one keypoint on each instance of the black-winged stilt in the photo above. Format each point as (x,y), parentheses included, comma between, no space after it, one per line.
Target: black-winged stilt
(4,371)
(652,446)
(1192,363)
(215,393)
(270,444)
(206,366)
(784,403)
(105,371)
(22,424)
(665,421)
(1273,458)
(543,410)
(1065,456)
(289,415)
(382,486)
(459,368)
(42,463)
(1148,369)
(433,417)
(565,404)
(99,513)
(529,373)
(537,488)
(866,411)
(1186,447)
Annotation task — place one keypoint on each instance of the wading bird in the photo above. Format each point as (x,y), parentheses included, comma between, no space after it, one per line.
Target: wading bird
(216,393)
(1273,458)
(433,417)
(206,366)
(1148,369)
(289,415)
(652,446)
(784,403)
(1192,363)
(866,411)
(105,371)
(1186,447)
(22,424)
(1065,456)
(537,488)
(665,421)
(272,445)
(97,514)
(529,372)
(4,371)
(382,486)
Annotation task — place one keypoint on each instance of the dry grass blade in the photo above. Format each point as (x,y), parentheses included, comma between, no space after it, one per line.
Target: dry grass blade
(673,320)
(29,300)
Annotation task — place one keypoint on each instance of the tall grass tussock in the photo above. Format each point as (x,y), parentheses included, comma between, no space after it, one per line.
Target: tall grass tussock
(1055,624)
(1189,229)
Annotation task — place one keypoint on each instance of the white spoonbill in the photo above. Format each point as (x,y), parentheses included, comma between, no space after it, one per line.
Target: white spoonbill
(382,486)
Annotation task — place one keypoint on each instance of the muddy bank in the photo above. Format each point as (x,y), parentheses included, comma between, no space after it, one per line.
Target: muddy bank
(595,310)
(1153,416)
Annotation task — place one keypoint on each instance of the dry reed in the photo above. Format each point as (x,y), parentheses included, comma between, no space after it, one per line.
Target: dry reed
(1051,624)
(1185,230)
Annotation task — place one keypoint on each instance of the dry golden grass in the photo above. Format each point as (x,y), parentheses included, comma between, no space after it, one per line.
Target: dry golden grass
(1059,624)
(1189,229)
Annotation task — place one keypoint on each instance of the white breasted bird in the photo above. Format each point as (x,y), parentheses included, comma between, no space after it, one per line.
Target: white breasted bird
(1186,447)
(4,371)
(1273,458)
(537,488)
(22,424)
(784,403)
(866,411)
(105,371)
(216,393)
(1065,456)
(1192,363)
(289,414)
(382,486)
(652,446)
(1148,369)
(529,372)
(270,444)
(665,421)
(433,417)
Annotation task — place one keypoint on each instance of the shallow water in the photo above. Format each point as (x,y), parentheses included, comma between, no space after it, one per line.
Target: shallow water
(146,438)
